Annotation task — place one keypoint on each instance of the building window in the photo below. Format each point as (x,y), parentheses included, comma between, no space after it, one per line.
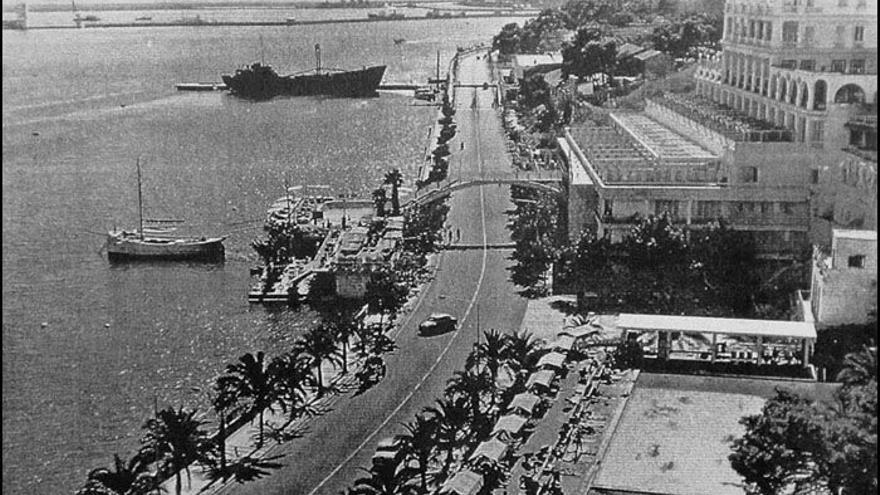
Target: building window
(666,206)
(859,34)
(857,66)
(842,3)
(811,3)
(788,64)
(769,31)
(857,261)
(809,35)
(748,174)
(808,65)
(751,29)
(766,208)
(609,207)
(840,33)
(814,176)
(708,209)
(838,66)
(789,32)
(787,208)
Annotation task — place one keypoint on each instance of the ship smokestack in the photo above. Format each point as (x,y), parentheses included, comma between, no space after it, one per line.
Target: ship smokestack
(317,57)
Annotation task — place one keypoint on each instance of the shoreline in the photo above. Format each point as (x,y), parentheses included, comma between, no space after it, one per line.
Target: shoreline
(260,23)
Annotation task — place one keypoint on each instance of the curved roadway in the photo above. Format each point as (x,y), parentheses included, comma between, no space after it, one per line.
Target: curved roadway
(473,285)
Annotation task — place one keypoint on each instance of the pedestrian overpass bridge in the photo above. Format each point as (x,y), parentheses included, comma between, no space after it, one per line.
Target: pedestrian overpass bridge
(545,181)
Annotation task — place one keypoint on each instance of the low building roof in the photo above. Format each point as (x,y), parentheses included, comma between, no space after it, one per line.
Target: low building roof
(579,176)
(543,378)
(727,326)
(868,235)
(529,60)
(647,54)
(628,49)
(579,331)
(492,450)
(553,359)
(463,483)
(525,402)
(564,342)
(512,423)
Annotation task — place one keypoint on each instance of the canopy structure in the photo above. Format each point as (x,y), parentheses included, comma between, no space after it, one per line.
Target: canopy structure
(552,360)
(580,331)
(492,450)
(541,378)
(511,424)
(463,483)
(564,343)
(665,325)
(524,402)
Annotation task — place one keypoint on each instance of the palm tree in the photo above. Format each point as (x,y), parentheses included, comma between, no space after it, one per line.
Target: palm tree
(491,353)
(343,326)
(176,439)
(224,400)
(395,179)
(471,384)
(452,416)
(131,477)
(522,351)
(319,344)
(380,197)
(859,368)
(293,377)
(418,443)
(250,378)
(384,479)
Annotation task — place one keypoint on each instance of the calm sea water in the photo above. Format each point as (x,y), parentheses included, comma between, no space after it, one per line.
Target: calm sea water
(79,107)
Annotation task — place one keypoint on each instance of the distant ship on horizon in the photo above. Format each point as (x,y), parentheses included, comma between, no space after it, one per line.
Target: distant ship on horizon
(260,81)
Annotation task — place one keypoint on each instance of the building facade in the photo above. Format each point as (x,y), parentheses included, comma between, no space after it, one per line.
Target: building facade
(844,282)
(809,66)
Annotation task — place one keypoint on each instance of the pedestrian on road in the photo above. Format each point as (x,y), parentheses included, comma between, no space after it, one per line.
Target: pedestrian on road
(457,235)
(462,145)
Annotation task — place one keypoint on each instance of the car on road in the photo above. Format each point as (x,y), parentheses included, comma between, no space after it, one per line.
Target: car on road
(438,323)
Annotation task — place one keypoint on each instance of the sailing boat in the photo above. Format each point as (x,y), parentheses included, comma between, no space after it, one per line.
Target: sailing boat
(79,19)
(122,244)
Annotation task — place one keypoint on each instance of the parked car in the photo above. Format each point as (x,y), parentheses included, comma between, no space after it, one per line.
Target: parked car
(388,451)
(438,323)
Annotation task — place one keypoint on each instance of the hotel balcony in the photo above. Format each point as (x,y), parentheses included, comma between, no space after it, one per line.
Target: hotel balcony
(722,119)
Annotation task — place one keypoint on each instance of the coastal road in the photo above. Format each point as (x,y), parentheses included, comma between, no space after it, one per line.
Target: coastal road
(468,283)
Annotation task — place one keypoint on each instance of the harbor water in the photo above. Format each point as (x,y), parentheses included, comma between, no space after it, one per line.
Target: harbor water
(90,347)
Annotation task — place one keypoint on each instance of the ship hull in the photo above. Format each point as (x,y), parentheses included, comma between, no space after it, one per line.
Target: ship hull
(353,83)
(122,246)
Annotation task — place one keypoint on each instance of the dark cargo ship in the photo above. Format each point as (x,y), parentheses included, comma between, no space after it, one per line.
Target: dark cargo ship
(260,81)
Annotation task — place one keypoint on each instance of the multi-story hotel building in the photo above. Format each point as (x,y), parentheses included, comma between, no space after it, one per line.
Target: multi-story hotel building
(809,66)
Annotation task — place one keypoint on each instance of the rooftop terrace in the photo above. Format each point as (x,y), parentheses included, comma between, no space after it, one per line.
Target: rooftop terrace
(659,140)
(618,158)
(731,123)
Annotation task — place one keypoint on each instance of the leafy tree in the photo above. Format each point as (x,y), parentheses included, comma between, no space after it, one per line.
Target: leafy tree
(584,12)
(422,226)
(395,179)
(176,439)
(538,233)
(379,200)
(418,443)
(322,288)
(224,402)
(834,343)
(725,257)
(628,355)
(656,241)
(541,34)
(534,91)
(319,345)
(679,38)
(127,477)
(251,379)
(507,41)
(593,51)
(384,294)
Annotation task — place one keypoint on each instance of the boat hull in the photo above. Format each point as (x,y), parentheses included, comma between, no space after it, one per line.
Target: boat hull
(353,83)
(122,247)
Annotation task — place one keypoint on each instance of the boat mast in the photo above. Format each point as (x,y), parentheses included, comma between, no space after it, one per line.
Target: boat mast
(262,51)
(140,202)
(437,77)
(317,58)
